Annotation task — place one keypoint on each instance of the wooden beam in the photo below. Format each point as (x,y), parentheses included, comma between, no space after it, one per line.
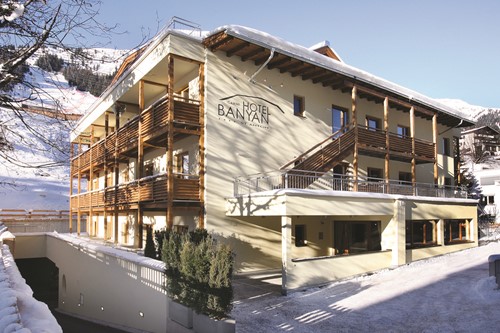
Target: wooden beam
(251,54)
(387,141)
(434,140)
(277,61)
(354,117)
(170,143)
(413,161)
(201,148)
(237,48)
(293,64)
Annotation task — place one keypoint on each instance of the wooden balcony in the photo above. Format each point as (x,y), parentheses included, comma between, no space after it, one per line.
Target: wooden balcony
(151,189)
(154,124)
(372,142)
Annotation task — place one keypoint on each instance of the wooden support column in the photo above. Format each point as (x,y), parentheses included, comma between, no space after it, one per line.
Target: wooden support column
(140,167)
(79,189)
(201,147)
(71,172)
(387,144)
(90,224)
(356,139)
(106,133)
(116,176)
(434,140)
(413,161)
(170,143)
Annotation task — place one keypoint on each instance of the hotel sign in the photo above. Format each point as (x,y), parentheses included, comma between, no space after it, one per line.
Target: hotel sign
(247,110)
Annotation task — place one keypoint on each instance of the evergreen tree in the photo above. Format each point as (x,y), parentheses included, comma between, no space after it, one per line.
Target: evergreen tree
(150,250)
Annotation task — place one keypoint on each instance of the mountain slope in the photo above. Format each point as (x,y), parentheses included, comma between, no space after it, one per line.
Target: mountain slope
(42,142)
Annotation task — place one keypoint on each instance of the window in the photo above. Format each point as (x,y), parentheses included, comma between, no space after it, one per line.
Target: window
(148,169)
(373,123)
(356,237)
(420,234)
(298,106)
(182,163)
(446,147)
(340,119)
(374,174)
(447,181)
(300,235)
(487,200)
(403,131)
(455,231)
(405,177)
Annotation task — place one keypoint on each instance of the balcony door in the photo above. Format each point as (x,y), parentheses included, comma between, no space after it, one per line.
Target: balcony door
(340,119)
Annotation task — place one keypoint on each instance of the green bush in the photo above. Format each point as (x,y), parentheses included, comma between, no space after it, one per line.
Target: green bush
(199,272)
(150,250)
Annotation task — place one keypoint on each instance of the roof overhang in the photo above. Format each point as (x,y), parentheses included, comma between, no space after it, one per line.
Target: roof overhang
(252,45)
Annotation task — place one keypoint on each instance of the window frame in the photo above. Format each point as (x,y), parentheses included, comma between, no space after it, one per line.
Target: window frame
(379,171)
(428,233)
(345,246)
(405,131)
(301,105)
(378,123)
(446,147)
(300,235)
(344,119)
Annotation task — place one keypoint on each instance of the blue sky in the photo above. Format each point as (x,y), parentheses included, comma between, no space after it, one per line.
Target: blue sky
(443,49)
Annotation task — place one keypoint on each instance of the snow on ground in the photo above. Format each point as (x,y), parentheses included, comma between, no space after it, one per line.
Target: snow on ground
(451,293)
(42,187)
(19,311)
(47,186)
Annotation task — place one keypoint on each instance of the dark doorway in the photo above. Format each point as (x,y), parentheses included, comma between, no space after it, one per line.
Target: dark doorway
(42,275)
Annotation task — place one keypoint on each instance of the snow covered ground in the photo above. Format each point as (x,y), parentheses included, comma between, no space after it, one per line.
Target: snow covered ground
(45,186)
(19,311)
(451,293)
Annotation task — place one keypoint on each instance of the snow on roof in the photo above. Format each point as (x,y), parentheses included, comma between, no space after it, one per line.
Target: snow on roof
(307,55)
(477,129)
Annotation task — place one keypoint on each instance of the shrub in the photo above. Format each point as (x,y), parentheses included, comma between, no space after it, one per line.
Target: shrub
(199,272)
(150,250)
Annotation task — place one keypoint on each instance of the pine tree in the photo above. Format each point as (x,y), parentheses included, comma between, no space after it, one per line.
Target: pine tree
(150,250)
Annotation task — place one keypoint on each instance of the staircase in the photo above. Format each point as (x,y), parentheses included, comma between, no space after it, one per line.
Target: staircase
(322,157)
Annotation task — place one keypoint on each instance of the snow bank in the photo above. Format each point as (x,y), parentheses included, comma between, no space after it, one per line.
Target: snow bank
(450,293)
(19,311)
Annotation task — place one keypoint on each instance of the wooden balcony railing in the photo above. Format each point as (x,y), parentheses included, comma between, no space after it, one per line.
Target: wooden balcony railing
(154,123)
(147,189)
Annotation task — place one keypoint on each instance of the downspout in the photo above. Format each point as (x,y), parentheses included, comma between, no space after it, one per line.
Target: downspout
(458,125)
(251,79)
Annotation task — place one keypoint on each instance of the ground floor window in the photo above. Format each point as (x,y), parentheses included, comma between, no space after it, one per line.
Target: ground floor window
(455,231)
(356,237)
(420,234)
(300,235)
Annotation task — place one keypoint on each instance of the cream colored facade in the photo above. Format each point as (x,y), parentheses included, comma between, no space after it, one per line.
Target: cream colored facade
(248,87)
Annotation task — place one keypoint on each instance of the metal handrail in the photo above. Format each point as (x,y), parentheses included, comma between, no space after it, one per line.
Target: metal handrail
(313,180)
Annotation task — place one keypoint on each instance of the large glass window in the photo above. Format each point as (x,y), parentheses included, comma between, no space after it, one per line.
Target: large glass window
(455,231)
(420,234)
(356,237)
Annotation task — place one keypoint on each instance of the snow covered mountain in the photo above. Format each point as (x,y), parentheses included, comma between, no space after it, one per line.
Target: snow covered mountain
(474,111)
(42,141)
